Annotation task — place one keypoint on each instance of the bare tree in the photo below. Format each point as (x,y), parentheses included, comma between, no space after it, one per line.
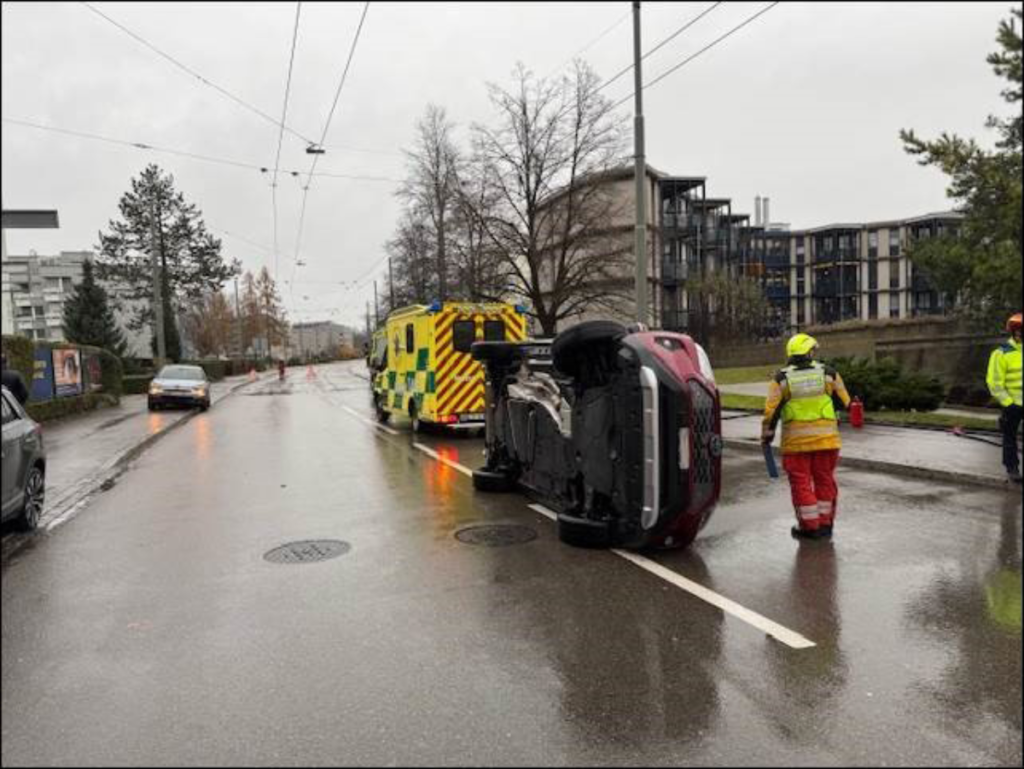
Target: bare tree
(478,270)
(208,322)
(412,251)
(432,186)
(551,212)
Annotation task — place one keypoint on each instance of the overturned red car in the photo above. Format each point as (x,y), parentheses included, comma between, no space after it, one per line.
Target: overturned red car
(619,432)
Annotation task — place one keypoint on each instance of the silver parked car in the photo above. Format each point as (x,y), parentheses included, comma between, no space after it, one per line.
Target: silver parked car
(180,385)
(24,465)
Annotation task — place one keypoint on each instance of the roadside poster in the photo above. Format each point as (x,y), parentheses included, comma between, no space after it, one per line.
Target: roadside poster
(42,375)
(67,372)
(93,372)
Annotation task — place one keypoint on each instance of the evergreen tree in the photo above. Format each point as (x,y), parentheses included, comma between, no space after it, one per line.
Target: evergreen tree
(88,318)
(191,263)
(980,267)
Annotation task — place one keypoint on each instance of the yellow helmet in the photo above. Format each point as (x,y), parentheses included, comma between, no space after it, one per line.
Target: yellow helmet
(801,344)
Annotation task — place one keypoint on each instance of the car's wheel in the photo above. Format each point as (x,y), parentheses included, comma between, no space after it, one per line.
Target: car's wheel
(497,482)
(204,406)
(496,351)
(35,491)
(582,532)
(152,406)
(574,344)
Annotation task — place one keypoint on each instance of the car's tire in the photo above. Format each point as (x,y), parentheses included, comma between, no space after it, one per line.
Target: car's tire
(32,507)
(582,532)
(152,406)
(204,406)
(494,482)
(574,343)
(494,351)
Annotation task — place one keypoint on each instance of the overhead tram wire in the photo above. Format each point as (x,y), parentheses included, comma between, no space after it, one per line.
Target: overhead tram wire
(206,81)
(327,125)
(593,42)
(660,45)
(280,135)
(708,47)
(193,73)
(183,153)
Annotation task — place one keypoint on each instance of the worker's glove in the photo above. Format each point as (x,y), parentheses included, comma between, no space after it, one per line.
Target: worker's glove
(767,435)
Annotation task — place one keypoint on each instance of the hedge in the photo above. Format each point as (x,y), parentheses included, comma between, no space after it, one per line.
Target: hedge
(883,384)
(44,411)
(215,368)
(137,384)
(20,352)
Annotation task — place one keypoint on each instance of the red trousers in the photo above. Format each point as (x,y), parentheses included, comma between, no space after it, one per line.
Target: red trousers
(813,485)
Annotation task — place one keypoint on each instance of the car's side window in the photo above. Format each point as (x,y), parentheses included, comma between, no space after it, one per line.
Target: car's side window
(410,341)
(8,410)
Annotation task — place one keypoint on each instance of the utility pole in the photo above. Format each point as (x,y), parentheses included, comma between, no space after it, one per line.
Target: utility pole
(391,284)
(367,320)
(158,300)
(640,173)
(376,308)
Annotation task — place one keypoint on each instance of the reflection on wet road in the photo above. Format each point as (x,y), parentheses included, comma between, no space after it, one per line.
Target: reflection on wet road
(150,629)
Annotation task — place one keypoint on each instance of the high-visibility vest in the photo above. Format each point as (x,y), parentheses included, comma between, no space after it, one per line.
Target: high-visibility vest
(809,399)
(1004,374)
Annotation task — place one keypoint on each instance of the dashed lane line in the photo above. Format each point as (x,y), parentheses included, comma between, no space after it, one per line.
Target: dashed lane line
(443,460)
(370,422)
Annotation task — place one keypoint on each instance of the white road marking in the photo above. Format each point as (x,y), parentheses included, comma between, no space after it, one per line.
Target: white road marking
(443,460)
(370,422)
(790,638)
(65,516)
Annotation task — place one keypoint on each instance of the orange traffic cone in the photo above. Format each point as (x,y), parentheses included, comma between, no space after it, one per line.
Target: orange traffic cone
(310,373)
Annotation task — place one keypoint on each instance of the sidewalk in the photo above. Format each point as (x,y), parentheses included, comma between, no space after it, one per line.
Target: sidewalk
(84,452)
(903,450)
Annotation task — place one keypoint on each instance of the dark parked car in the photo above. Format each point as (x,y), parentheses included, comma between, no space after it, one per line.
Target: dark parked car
(180,386)
(24,465)
(619,432)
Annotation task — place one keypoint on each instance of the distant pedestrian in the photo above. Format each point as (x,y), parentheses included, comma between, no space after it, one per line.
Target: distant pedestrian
(13,381)
(1004,382)
(800,396)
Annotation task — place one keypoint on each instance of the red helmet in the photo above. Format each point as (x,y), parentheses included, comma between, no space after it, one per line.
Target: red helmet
(1014,323)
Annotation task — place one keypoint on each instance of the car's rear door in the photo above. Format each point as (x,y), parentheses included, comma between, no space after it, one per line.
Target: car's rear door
(12,459)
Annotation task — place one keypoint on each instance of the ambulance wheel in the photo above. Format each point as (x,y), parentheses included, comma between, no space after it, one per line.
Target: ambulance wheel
(418,425)
(495,482)
(383,415)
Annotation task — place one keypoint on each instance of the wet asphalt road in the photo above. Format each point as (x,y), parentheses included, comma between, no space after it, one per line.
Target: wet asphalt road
(149,630)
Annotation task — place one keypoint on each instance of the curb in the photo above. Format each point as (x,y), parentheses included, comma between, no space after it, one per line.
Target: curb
(109,473)
(893,468)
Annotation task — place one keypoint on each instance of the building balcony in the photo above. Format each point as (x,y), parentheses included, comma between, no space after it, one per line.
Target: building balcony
(674,272)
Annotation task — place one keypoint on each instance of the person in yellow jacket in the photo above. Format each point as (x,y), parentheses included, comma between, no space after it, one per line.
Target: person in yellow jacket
(1004,375)
(800,395)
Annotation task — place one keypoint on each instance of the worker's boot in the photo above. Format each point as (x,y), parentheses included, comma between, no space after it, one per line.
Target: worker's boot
(799,532)
(826,516)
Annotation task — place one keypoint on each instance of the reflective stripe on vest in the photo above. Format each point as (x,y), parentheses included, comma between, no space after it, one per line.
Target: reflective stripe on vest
(809,400)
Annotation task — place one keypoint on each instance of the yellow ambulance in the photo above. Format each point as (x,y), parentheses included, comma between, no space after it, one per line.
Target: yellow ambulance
(422,367)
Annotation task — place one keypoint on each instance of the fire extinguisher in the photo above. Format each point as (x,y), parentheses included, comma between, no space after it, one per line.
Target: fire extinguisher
(856,413)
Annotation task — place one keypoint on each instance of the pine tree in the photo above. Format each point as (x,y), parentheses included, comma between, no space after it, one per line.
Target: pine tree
(980,267)
(88,318)
(190,257)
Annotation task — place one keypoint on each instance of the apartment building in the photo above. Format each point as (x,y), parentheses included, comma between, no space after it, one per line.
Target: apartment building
(309,340)
(36,288)
(813,276)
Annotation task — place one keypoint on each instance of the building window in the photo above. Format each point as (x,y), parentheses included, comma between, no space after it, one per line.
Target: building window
(894,242)
(800,251)
(801,283)
(894,275)
(894,305)
(801,315)
(873,306)
(463,335)
(872,244)
(873,276)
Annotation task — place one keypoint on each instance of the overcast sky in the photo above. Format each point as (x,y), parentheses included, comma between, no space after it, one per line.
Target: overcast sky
(803,105)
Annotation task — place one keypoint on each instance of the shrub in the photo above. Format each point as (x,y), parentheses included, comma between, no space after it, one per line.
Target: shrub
(20,354)
(884,385)
(137,384)
(45,411)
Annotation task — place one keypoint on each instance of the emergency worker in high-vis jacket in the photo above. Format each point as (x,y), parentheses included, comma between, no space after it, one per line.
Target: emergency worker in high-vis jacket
(800,396)
(1004,382)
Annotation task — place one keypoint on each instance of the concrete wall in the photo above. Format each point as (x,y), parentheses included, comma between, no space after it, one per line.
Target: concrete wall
(943,347)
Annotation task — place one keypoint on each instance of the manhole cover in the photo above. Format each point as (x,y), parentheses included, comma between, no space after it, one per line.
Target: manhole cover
(308,551)
(495,536)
